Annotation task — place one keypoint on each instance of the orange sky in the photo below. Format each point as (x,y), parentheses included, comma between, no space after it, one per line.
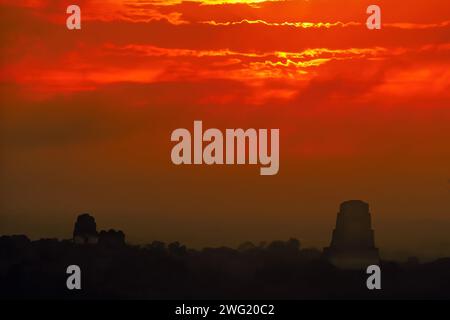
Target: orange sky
(86,118)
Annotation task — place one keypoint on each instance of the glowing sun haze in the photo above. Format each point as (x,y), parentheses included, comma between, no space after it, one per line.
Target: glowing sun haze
(86,118)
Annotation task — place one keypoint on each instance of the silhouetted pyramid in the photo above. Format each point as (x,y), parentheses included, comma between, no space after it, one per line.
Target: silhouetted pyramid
(352,245)
(85,231)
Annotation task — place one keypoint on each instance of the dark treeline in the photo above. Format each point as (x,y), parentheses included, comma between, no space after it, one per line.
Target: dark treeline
(276,270)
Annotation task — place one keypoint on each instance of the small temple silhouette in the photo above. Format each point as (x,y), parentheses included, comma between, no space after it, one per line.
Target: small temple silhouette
(85,233)
(85,230)
(352,244)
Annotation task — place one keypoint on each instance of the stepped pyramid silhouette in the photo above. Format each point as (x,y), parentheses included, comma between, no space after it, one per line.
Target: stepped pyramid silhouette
(352,244)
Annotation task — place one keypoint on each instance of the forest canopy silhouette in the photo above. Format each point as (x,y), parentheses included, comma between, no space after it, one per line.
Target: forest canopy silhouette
(273,270)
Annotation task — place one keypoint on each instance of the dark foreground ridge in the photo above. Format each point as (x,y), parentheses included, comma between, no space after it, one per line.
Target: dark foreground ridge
(277,270)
